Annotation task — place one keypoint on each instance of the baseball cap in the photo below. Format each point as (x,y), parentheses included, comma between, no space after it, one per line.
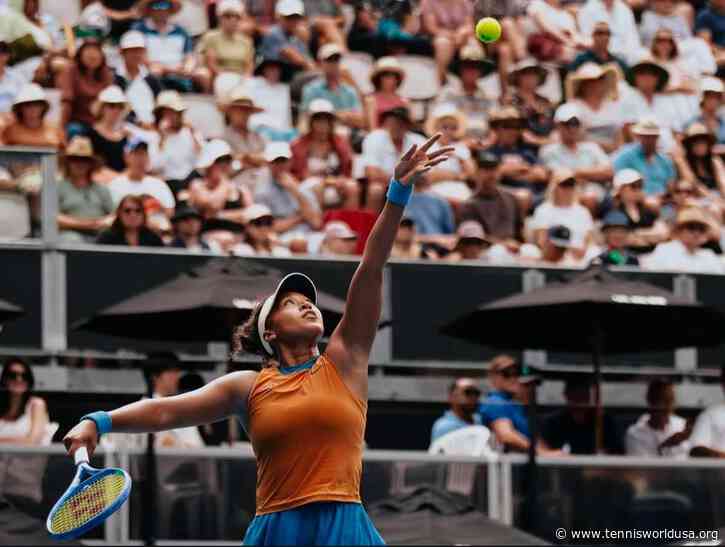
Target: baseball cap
(566,112)
(276,150)
(560,236)
(471,229)
(134,143)
(625,177)
(255,211)
(285,8)
(132,39)
(339,230)
(328,51)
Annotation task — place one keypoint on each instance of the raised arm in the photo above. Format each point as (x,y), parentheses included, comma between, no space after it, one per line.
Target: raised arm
(211,403)
(350,344)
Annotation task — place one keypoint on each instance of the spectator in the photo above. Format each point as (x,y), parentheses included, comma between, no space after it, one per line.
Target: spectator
(15,199)
(494,207)
(616,231)
(399,28)
(431,213)
(130,228)
(592,168)
(556,36)
(557,249)
(135,80)
(84,207)
(295,209)
(30,127)
(520,168)
(387,77)
(23,415)
(707,439)
(327,20)
(121,14)
(647,230)
(662,15)
(685,253)
(381,150)
(227,48)
(463,396)
(179,144)
(710,25)
(215,196)
(109,134)
(332,88)
(599,53)
(282,41)
(681,194)
(363,34)
(659,432)
(657,170)
(169,47)
(339,240)
(526,78)
(711,99)
(322,159)
(10,83)
(625,34)
(562,207)
(465,92)
(471,244)
(80,84)
(698,164)
(27,39)
(405,245)
(261,238)
(158,200)
(572,429)
(188,224)
(450,23)
(268,87)
(666,52)
(247,145)
(593,90)
(447,120)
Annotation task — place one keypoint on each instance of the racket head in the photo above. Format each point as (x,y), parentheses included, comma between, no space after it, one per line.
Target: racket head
(93,496)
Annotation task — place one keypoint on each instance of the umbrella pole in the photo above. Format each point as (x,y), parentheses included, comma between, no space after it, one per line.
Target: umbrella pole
(599,416)
(532,469)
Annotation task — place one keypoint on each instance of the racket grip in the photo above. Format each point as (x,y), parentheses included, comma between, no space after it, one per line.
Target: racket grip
(81,455)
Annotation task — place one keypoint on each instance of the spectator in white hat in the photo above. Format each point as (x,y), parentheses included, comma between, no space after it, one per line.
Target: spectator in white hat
(135,79)
(625,40)
(228,48)
(109,133)
(591,166)
(295,209)
(711,99)
(261,238)
(282,41)
(339,239)
(698,162)
(333,87)
(450,122)
(30,127)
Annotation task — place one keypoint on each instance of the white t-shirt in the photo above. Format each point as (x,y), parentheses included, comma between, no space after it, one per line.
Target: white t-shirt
(178,154)
(709,430)
(584,156)
(275,98)
(555,18)
(625,35)
(602,124)
(122,186)
(576,217)
(674,256)
(642,440)
(379,151)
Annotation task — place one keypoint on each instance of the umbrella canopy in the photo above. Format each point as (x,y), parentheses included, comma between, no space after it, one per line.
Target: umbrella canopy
(9,311)
(200,305)
(568,316)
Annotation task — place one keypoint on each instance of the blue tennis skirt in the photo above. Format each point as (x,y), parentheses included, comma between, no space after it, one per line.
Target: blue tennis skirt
(320,523)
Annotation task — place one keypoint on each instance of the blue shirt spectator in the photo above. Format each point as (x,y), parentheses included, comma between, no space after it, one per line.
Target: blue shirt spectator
(463,396)
(501,405)
(711,21)
(657,170)
(431,214)
(343,97)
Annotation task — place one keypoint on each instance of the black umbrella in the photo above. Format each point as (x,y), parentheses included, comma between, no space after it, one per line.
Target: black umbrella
(9,311)
(200,305)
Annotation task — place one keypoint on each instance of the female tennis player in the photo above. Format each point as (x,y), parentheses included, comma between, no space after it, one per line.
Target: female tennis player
(304,412)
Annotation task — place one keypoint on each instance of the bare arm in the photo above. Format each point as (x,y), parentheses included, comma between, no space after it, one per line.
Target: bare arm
(507,435)
(211,403)
(705,452)
(68,222)
(291,55)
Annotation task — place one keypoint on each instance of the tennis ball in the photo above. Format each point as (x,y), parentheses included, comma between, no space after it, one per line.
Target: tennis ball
(488,29)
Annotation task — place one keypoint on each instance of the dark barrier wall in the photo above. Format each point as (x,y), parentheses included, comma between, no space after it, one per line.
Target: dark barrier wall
(424,296)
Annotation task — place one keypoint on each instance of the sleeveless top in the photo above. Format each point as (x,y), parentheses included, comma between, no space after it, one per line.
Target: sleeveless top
(307,431)
(19,427)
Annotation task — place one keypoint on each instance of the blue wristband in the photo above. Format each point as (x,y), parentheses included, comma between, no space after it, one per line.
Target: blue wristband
(102,421)
(399,193)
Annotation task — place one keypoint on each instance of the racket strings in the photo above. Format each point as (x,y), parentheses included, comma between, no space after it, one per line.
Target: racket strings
(88,503)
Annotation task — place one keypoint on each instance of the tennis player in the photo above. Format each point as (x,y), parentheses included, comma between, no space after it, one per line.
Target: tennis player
(304,412)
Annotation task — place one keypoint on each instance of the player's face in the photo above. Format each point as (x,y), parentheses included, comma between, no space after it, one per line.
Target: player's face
(295,318)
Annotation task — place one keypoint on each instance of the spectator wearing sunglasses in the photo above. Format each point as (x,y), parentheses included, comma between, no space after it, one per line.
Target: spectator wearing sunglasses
(685,253)
(130,228)
(260,236)
(463,396)
(23,416)
(599,51)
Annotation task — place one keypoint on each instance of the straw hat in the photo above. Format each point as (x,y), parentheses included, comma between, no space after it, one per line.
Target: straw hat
(170,99)
(31,93)
(146,6)
(646,62)
(442,111)
(527,64)
(238,97)
(80,147)
(110,95)
(507,113)
(588,72)
(647,127)
(386,65)
(698,130)
(472,54)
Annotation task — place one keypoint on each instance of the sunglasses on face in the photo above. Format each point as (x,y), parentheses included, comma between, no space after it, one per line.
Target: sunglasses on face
(694,227)
(472,392)
(572,124)
(129,210)
(511,372)
(262,221)
(14,375)
(507,125)
(568,183)
(636,185)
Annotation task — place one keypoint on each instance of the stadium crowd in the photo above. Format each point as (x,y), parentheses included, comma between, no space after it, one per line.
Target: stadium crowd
(593,130)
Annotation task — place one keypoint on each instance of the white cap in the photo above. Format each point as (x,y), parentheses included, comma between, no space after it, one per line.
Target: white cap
(213,150)
(230,6)
(112,95)
(277,149)
(255,211)
(339,229)
(626,176)
(329,50)
(321,106)
(30,93)
(712,84)
(286,8)
(132,39)
(566,112)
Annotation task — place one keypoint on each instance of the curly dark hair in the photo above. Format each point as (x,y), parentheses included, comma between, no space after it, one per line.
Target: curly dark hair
(247,338)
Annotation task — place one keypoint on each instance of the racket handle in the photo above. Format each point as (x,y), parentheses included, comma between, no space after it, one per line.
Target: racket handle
(81,455)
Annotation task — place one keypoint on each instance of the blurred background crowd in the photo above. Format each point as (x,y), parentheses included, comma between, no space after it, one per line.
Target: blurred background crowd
(593,130)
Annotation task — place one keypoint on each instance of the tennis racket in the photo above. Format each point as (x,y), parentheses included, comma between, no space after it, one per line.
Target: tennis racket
(92,497)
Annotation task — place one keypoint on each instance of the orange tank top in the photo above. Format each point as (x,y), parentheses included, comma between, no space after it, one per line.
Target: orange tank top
(307,430)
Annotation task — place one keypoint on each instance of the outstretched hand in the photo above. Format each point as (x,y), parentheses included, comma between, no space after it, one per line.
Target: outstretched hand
(417,161)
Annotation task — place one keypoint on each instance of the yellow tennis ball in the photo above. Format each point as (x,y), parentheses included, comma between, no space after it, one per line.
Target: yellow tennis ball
(488,29)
